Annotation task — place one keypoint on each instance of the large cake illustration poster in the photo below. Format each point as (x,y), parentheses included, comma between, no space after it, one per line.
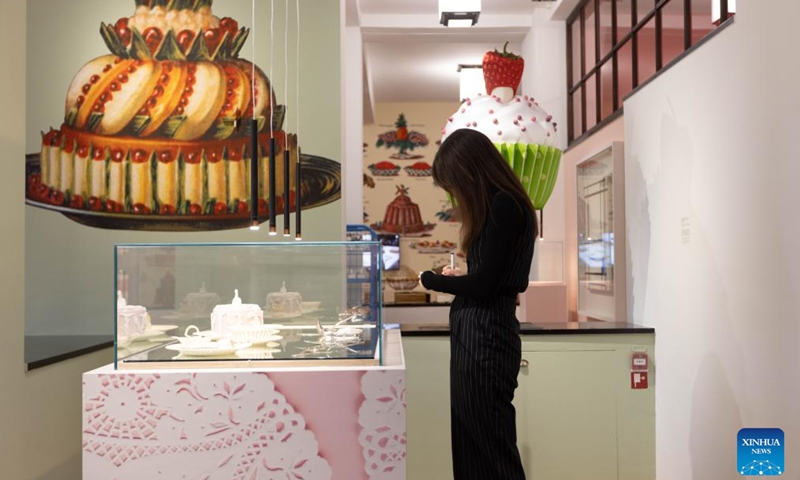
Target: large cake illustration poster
(155,133)
(184,177)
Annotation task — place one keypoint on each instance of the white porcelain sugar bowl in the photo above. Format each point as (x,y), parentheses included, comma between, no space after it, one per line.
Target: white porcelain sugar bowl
(235,313)
(131,319)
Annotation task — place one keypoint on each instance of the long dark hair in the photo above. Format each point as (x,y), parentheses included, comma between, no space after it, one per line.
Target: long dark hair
(470,168)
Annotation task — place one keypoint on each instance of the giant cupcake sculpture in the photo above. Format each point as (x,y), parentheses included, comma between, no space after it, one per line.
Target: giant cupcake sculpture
(522,131)
(161,126)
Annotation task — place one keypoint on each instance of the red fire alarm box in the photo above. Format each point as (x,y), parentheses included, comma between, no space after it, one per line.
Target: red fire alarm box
(638,380)
(639,362)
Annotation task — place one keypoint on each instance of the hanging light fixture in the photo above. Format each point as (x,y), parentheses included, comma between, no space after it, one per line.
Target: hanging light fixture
(471,82)
(459,13)
(720,6)
(298,236)
(255,154)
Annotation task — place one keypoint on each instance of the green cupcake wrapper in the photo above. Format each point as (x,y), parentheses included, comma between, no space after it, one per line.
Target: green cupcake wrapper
(536,166)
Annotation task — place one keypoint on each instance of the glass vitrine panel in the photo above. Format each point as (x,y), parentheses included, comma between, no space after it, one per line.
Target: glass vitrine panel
(272,302)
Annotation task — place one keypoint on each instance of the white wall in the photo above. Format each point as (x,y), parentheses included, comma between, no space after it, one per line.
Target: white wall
(544,49)
(352,123)
(40,421)
(713,140)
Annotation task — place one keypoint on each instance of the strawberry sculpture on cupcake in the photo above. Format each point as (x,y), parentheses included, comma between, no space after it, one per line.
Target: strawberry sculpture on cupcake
(522,131)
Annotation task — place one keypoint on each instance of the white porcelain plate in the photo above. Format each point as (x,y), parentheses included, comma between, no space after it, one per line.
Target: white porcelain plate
(212,350)
(147,335)
(273,315)
(161,328)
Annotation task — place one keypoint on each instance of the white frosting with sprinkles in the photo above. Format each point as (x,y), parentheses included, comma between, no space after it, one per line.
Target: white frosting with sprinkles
(520,120)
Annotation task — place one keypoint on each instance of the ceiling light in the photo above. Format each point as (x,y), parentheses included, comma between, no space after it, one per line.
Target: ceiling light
(471,81)
(715,11)
(459,13)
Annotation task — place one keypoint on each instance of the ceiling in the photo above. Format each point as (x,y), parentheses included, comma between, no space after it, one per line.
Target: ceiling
(411,7)
(409,57)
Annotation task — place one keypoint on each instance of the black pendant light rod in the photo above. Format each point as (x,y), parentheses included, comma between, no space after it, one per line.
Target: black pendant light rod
(272,150)
(287,185)
(255,156)
(298,195)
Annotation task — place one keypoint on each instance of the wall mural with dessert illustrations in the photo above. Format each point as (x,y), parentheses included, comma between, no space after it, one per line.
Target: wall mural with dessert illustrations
(399,193)
(150,140)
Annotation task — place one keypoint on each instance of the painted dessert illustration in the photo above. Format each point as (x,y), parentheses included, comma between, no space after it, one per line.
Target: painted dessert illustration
(403,140)
(403,216)
(384,169)
(448,213)
(160,128)
(437,246)
(419,169)
(403,280)
(523,132)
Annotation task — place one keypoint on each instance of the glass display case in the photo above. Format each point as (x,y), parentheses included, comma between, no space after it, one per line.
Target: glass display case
(217,304)
(548,262)
(601,235)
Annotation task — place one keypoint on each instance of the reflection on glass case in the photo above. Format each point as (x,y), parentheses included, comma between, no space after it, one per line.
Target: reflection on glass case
(601,231)
(548,262)
(211,304)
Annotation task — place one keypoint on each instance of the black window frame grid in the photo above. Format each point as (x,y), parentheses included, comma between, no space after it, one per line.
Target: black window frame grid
(637,24)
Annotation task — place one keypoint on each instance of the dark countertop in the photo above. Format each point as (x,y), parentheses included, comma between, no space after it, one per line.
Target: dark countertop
(427,304)
(571,328)
(44,350)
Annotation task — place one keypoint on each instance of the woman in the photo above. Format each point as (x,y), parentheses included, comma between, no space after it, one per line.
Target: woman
(497,234)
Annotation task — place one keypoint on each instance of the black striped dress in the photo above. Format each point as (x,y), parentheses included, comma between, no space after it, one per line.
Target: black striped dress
(485,348)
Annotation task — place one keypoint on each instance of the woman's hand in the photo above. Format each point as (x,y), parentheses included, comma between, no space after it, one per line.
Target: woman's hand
(452,272)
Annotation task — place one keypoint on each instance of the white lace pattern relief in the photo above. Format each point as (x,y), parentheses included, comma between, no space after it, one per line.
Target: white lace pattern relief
(382,417)
(206,427)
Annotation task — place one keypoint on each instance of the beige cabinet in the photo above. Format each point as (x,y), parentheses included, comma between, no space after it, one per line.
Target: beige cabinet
(577,417)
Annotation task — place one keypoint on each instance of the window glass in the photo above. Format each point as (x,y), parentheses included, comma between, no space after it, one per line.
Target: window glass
(588,15)
(646,46)
(625,70)
(606,37)
(643,7)
(576,51)
(591,102)
(623,18)
(606,90)
(672,28)
(701,19)
(577,128)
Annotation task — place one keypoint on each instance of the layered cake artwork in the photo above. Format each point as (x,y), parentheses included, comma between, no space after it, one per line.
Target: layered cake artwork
(403,216)
(524,133)
(157,134)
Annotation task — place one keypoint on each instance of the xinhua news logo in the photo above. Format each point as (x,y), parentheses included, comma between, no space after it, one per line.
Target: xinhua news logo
(760,452)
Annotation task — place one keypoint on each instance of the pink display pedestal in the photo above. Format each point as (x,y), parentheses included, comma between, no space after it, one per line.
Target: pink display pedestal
(544,302)
(340,423)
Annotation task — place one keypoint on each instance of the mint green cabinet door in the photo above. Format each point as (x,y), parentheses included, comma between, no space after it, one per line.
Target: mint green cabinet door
(428,408)
(566,415)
